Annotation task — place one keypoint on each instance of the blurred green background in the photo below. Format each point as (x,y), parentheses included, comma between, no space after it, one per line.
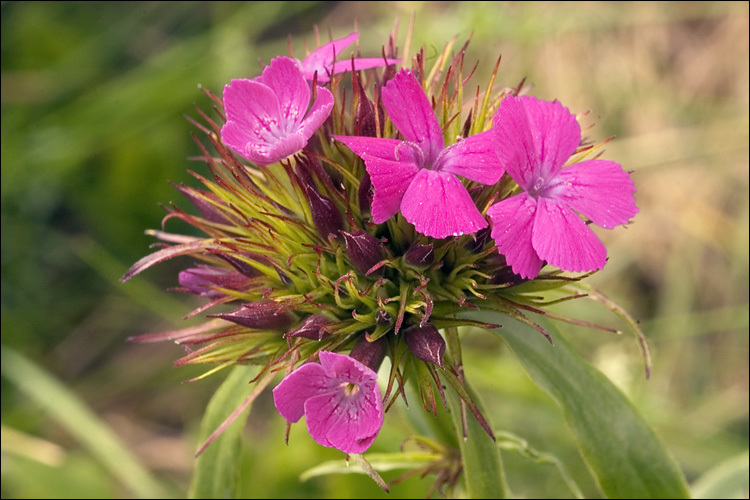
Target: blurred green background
(93,98)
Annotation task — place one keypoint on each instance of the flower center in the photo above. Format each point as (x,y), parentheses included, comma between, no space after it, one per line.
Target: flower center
(350,389)
(545,187)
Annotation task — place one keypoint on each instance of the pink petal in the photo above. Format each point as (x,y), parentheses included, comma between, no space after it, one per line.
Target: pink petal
(439,205)
(318,113)
(473,158)
(562,239)
(349,423)
(360,63)
(512,227)
(283,75)
(303,383)
(599,189)
(321,59)
(345,368)
(410,111)
(265,153)
(252,109)
(390,177)
(534,138)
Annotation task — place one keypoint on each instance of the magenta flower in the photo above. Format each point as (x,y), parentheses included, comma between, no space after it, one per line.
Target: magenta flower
(418,176)
(339,398)
(323,61)
(267,117)
(533,140)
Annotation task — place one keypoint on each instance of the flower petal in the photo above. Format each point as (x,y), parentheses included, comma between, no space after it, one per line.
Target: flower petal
(473,158)
(303,383)
(318,114)
(534,138)
(265,153)
(347,422)
(410,111)
(564,240)
(345,368)
(599,189)
(252,109)
(360,63)
(439,205)
(283,75)
(512,229)
(390,177)
(321,59)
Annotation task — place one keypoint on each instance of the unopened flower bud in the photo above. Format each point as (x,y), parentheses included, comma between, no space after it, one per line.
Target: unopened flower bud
(481,238)
(364,194)
(311,328)
(363,249)
(364,117)
(370,354)
(260,315)
(383,318)
(200,280)
(199,198)
(419,255)
(506,276)
(426,343)
(326,217)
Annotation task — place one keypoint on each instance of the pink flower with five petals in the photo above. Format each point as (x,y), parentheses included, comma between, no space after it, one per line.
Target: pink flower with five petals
(339,398)
(533,140)
(268,117)
(418,176)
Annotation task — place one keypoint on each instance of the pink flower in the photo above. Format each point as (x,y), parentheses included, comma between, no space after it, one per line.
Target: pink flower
(267,117)
(322,60)
(418,176)
(533,140)
(339,398)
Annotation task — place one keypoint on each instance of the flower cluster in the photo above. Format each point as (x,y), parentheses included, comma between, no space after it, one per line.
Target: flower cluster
(357,208)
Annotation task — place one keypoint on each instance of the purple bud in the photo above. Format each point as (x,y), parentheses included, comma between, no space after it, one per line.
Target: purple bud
(363,249)
(383,318)
(480,240)
(364,116)
(370,354)
(311,328)
(425,343)
(200,280)
(420,255)
(241,265)
(326,217)
(198,198)
(364,194)
(260,315)
(506,276)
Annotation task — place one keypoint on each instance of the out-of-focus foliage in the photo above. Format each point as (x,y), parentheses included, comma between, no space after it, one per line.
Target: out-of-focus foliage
(92,101)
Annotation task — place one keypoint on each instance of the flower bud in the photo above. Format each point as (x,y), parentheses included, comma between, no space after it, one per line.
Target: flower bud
(364,116)
(481,238)
(311,328)
(419,255)
(260,315)
(425,343)
(199,280)
(364,193)
(363,249)
(207,210)
(370,354)
(383,318)
(326,217)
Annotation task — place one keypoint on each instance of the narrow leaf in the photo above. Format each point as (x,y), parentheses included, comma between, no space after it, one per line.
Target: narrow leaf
(621,449)
(480,457)
(73,414)
(216,471)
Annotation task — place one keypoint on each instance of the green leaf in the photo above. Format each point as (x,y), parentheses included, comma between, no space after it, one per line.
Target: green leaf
(483,469)
(729,479)
(217,468)
(621,449)
(381,462)
(72,413)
